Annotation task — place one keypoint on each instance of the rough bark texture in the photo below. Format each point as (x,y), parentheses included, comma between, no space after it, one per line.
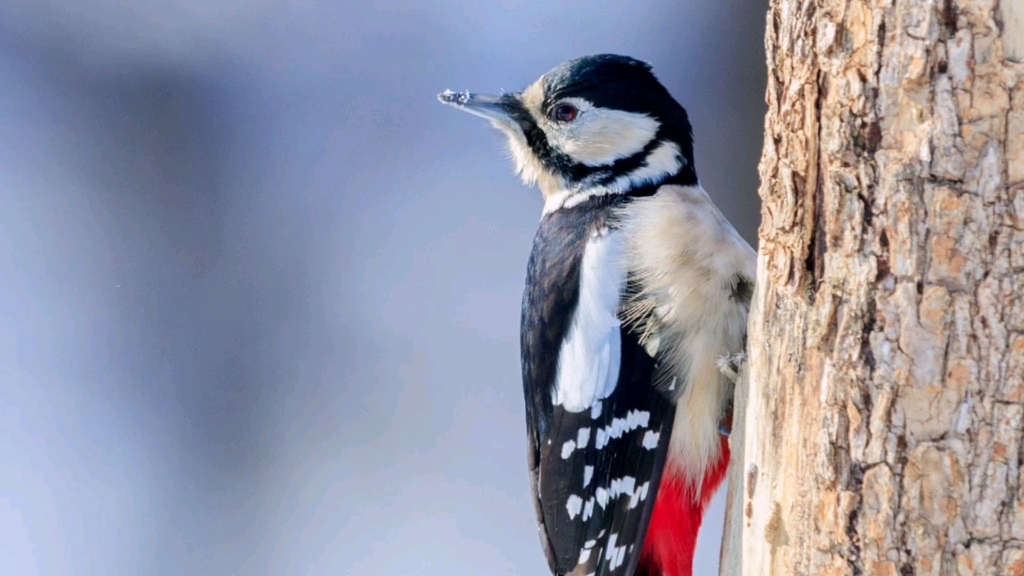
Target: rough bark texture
(885,416)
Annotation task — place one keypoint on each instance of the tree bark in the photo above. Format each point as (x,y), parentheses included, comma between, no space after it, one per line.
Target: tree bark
(884,412)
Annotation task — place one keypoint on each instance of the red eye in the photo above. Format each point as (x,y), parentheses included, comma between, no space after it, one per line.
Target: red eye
(564,113)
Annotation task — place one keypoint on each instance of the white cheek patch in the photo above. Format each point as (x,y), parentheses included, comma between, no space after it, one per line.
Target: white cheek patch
(600,136)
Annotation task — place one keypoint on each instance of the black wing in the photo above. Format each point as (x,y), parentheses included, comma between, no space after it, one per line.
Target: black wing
(594,473)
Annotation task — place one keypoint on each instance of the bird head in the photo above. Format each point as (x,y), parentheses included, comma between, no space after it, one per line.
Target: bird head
(596,124)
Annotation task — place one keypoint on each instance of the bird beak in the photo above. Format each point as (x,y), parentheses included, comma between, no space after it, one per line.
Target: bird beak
(497,109)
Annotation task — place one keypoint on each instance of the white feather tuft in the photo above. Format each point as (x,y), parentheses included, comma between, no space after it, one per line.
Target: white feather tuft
(588,361)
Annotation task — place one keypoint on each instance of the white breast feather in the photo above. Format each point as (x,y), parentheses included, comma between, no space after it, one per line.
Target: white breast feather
(688,256)
(588,362)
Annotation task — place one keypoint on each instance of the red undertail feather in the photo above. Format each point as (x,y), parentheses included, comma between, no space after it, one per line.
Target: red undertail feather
(672,534)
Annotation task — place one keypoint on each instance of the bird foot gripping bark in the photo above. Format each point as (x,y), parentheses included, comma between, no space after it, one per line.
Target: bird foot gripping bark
(731,364)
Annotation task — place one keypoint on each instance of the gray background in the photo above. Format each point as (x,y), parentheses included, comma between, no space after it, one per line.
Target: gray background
(259,291)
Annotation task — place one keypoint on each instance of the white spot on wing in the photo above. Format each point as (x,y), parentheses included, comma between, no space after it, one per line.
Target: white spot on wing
(610,554)
(584,556)
(595,410)
(583,438)
(567,449)
(651,439)
(588,474)
(619,426)
(574,505)
(622,486)
(641,418)
(620,554)
(634,499)
(588,509)
(625,486)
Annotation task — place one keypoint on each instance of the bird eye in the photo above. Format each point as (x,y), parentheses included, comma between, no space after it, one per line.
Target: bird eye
(564,113)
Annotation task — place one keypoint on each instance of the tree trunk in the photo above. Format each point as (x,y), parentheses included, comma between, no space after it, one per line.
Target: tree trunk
(884,420)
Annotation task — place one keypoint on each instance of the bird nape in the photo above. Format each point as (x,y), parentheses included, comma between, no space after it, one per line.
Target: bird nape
(637,290)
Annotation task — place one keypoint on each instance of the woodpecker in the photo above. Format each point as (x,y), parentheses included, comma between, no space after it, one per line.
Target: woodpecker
(633,319)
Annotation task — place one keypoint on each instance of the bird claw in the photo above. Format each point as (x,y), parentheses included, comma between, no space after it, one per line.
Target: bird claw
(731,364)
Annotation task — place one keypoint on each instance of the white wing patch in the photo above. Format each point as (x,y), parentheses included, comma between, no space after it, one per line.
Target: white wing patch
(619,426)
(573,506)
(588,509)
(588,362)
(567,449)
(583,438)
(651,439)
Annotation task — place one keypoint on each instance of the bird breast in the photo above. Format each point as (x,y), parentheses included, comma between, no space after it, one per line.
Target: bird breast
(690,275)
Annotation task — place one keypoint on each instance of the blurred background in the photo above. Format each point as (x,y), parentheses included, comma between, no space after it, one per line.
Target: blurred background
(259,290)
